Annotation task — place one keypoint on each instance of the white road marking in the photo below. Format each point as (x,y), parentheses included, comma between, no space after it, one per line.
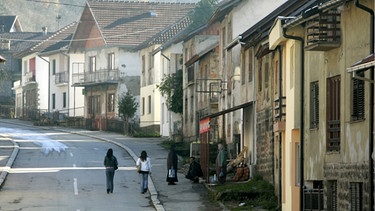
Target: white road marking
(75,187)
(71,154)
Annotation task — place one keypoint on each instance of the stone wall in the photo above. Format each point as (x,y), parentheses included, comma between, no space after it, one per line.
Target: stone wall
(344,174)
(264,145)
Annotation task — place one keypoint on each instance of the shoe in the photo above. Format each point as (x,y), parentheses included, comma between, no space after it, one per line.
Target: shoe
(107,191)
(145,190)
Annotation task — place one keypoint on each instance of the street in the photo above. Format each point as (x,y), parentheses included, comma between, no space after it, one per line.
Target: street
(60,168)
(56,170)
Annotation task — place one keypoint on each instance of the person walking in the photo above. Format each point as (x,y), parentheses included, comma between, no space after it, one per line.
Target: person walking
(110,163)
(144,169)
(172,162)
(221,164)
(195,171)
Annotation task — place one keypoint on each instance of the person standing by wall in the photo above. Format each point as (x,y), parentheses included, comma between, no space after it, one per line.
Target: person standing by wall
(221,164)
(172,162)
(110,163)
(144,169)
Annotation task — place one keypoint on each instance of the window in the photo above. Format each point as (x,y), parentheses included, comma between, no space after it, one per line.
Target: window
(250,65)
(332,195)
(64,99)
(190,72)
(186,110)
(358,98)
(333,113)
(243,65)
(143,106)
(151,60)
(92,63)
(53,101)
(94,105)
(54,67)
(111,103)
(260,80)
(356,196)
(314,104)
(111,61)
(297,160)
(143,63)
(149,104)
(266,71)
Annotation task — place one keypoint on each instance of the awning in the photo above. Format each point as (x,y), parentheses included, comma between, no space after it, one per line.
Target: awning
(363,64)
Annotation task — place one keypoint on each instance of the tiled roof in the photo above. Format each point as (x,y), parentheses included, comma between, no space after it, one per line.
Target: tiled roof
(7,22)
(56,41)
(170,32)
(133,23)
(20,41)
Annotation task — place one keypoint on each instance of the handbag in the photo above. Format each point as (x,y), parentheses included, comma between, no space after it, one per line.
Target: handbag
(139,167)
(172,173)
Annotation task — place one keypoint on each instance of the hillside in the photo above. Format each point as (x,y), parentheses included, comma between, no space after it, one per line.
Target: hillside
(35,14)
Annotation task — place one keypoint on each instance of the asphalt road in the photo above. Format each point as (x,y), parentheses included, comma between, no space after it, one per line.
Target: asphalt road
(63,171)
(61,168)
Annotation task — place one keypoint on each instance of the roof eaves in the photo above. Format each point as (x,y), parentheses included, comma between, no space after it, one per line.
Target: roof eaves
(312,11)
(222,9)
(266,23)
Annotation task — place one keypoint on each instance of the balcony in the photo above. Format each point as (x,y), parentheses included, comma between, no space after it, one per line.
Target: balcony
(97,77)
(61,78)
(323,32)
(29,77)
(279,114)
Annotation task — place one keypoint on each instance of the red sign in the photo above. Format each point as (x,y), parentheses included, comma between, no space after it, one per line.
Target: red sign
(204,125)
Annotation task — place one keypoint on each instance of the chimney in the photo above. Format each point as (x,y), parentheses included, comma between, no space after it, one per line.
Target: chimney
(44,30)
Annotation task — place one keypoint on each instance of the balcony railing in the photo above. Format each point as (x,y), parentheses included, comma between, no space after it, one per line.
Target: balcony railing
(280,109)
(30,77)
(99,76)
(61,77)
(323,32)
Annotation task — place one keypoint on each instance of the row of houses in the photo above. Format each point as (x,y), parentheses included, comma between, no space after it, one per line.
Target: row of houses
(288,84)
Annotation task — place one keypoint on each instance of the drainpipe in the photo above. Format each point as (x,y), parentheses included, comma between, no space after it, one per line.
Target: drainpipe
(302,119)
(280,49)
(371,112)
(69,81)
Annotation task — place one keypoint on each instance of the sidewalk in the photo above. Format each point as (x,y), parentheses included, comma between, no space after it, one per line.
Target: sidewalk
(183,196)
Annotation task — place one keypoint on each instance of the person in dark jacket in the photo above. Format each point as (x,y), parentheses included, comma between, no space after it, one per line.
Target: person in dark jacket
(172,162)
(110,163)
(195,171)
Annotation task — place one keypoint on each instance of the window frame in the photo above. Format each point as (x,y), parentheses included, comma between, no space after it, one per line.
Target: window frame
(314,105)
(333,107)
(358,98)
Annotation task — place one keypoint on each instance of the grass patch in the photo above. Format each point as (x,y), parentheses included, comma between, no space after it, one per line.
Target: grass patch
(255,193)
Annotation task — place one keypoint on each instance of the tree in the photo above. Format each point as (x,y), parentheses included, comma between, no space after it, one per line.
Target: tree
(171,88)
(202,13)
(127,106)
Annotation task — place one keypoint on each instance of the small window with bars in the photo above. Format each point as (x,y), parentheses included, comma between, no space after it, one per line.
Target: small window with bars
(356,196)
(314,105)
(358,98)
(332,195)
